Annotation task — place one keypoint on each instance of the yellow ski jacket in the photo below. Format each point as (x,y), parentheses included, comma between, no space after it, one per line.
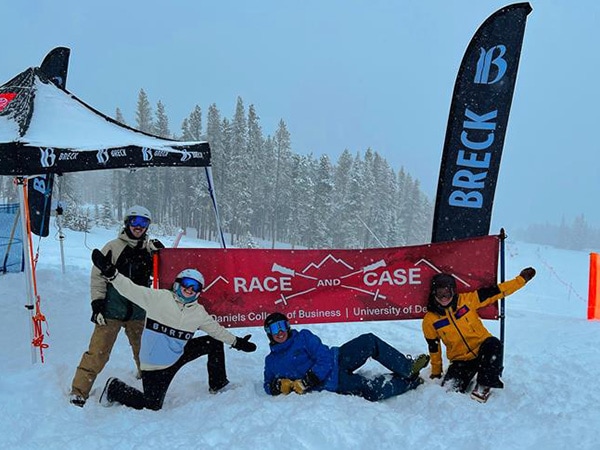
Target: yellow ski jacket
(459,326)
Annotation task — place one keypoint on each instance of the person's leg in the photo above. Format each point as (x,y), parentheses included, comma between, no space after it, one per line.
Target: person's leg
(353,354)
(95,358)
(460,374)
(119,392)
(133,330)
(206,345)
(490,363)
(378,388)
(155,385)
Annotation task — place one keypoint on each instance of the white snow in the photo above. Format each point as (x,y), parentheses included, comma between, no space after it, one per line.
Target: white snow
(60,121)
(551,399)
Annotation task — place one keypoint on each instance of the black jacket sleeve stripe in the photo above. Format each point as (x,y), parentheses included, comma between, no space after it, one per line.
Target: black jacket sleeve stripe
(487,292)
(434,345)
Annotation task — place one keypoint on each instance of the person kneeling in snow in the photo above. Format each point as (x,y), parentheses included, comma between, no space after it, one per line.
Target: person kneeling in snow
(471,349)
(172,317)
(300,362)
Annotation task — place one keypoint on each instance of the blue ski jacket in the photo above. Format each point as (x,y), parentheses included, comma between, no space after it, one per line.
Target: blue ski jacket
(301,352)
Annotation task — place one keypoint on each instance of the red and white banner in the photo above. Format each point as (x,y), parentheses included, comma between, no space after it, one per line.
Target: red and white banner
(243,286)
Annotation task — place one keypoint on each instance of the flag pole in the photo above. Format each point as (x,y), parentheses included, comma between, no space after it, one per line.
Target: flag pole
(502,300)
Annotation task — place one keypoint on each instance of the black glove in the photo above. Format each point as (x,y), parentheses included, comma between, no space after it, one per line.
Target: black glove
(528,273)
(104,264)
(275,386)
(98,312)
(244,344)
(310,380)
(157,244)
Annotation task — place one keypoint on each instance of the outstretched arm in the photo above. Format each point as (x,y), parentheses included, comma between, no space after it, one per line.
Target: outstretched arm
(492,294)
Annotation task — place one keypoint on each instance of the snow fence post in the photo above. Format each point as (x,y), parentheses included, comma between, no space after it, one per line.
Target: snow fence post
(594,288)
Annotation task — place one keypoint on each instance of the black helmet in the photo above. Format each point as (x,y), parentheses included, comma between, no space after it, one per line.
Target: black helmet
(274,318)
(442,280)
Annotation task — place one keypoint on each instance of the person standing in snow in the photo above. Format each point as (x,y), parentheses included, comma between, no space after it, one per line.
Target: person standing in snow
(132,255)
(452,318)
(168,342)
(299,362)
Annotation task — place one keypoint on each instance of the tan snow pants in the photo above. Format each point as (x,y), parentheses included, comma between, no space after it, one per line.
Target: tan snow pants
(101,344)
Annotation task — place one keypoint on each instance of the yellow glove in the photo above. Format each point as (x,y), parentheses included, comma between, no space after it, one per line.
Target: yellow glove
(286,386)
(298,386)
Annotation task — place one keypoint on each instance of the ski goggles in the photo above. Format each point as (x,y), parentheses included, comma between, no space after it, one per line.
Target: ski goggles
(443,293)
(276,327)
(139,221)
(190,283)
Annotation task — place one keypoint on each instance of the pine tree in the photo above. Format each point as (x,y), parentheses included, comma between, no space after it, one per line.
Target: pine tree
(214,136)
(323,205)
(381,219)
(119,117)
(367,211)
(160,127)
(193,205)
(301,204)
(160,189)
(341,191)
(139,184)
(280,196)
(143,114)
(240,165)
(195,125)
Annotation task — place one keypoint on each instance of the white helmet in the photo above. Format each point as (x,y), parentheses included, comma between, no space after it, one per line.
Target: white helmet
(137,210)
(186,278)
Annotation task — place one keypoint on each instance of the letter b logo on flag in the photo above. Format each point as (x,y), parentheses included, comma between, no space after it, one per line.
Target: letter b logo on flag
(486,60)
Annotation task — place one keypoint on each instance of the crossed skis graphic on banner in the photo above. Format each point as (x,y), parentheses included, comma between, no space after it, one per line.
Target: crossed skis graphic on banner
(291,272)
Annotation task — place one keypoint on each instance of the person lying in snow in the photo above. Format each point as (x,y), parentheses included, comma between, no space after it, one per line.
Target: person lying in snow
(299,362)
(168,343)
(471,349)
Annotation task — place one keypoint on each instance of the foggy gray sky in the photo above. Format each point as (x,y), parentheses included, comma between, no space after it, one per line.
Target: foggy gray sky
(341,74)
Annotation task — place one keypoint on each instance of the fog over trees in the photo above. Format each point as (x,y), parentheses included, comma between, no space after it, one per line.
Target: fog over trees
(265,191)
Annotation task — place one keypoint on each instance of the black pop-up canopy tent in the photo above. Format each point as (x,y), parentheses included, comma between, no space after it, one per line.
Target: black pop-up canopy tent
(45,129)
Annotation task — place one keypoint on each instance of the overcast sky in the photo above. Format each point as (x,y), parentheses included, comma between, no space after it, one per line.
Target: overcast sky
(342,74)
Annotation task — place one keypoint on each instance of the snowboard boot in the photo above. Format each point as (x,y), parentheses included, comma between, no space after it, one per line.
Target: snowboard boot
(481,393)
(105,398)
(218,389)
(418,364)
(77,400)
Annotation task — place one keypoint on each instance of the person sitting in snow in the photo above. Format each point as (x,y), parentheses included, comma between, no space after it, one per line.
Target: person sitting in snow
(132,254)
(471,349)
(299,362)
(168,342)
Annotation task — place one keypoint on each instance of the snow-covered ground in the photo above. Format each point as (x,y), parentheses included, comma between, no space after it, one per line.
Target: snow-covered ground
(551,365)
